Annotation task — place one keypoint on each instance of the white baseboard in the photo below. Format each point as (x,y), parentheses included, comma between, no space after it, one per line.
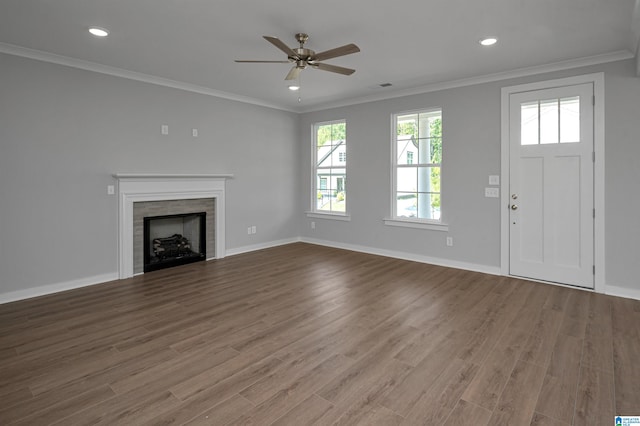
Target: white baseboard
(44,290)
(493,270)
(13,296)
(628,293)
(262,246)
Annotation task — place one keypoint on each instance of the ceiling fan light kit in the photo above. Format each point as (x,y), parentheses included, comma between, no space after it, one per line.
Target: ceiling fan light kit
(303,57)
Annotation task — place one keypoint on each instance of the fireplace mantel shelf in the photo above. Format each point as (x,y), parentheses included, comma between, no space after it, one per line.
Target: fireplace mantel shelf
(152,176)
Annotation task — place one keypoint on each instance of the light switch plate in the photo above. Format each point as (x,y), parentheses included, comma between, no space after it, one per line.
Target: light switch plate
(494,180)
(492,192)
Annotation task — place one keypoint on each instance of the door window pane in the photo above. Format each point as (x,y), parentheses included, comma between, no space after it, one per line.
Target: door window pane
(529,123)
(570,120)
(549,121)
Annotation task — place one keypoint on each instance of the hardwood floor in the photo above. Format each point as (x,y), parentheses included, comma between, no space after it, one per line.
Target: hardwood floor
(303,334)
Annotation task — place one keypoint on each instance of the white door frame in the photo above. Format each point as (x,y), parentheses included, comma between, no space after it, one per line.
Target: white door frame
(598,185)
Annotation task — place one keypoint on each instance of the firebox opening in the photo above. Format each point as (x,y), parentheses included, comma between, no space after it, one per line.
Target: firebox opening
(173,240)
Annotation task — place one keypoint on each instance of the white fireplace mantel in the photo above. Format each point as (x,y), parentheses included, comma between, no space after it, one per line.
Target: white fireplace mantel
(139,187)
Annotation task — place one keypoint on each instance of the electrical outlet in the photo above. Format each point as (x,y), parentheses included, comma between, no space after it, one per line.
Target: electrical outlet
(313,225)
(164,129)
(194,133)
(450,241)
(249,230)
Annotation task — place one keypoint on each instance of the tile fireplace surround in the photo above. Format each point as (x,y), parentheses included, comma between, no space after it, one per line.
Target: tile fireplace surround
(134,188)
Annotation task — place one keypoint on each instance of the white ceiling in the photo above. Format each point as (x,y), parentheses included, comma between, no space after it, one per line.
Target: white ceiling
(409,43)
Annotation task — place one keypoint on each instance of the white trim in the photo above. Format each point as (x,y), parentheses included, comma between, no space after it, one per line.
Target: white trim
(53,58)
(620,55)
(599,176)
(134,188)
(629,293)
(261,246)
(485,269)
(330,216)
(408,223)
(45,290)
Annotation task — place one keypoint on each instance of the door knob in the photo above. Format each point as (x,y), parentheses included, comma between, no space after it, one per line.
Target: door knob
(514,207)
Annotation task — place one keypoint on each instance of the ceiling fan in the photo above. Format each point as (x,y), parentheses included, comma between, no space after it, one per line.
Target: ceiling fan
(304,57)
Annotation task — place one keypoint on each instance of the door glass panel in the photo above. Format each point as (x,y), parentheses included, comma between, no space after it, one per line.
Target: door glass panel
(570,120)
(529,123)
(549,121)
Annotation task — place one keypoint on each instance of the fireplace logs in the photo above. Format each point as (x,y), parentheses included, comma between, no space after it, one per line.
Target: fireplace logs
(173,246)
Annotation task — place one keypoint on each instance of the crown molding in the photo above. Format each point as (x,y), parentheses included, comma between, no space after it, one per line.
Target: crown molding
(160,81)
(53,58)
(488,78)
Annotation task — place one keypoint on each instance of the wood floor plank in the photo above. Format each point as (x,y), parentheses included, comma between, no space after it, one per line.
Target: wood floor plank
(518,399)
(352,406)
(308,412)
(468,414)
(210,394)
(487,385)
(293,393)
(305,334)
(542,420)
(441,397)
(626,352)
(558,395)
(223,413)
(595,401)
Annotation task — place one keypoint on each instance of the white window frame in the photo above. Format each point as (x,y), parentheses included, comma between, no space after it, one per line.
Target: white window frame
(413,222)
(313,211)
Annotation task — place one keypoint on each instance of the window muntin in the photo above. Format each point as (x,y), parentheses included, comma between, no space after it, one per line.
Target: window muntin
(330,171)
(417,165)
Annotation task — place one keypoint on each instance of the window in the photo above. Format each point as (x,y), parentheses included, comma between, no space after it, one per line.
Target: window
(550,121)
(330,167)
(417,160)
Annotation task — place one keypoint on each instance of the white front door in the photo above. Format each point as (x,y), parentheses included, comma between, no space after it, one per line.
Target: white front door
(551,184)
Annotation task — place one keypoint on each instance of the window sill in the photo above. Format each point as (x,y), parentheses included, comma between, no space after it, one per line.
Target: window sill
(417,224)
(332,216)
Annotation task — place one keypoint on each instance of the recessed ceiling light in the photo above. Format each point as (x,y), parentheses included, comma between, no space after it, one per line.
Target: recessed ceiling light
(489,41)
(293,87)
(98,32)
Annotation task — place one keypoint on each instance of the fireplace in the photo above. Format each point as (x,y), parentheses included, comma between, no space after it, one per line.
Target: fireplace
(172,240)
(135,189)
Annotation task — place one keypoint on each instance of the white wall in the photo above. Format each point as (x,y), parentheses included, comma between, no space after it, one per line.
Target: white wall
(64,132)
(471,152)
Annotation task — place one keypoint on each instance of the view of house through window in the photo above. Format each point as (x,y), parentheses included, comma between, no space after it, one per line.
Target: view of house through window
(330,163)
(417,162)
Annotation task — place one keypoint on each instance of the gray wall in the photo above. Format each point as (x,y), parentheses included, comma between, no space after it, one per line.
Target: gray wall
(471,152)
(64,131)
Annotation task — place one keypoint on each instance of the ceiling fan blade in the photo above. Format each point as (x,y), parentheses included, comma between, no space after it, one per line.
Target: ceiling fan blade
(347,49)
(280,45)
(333,68)
(294,73)
(261,62)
